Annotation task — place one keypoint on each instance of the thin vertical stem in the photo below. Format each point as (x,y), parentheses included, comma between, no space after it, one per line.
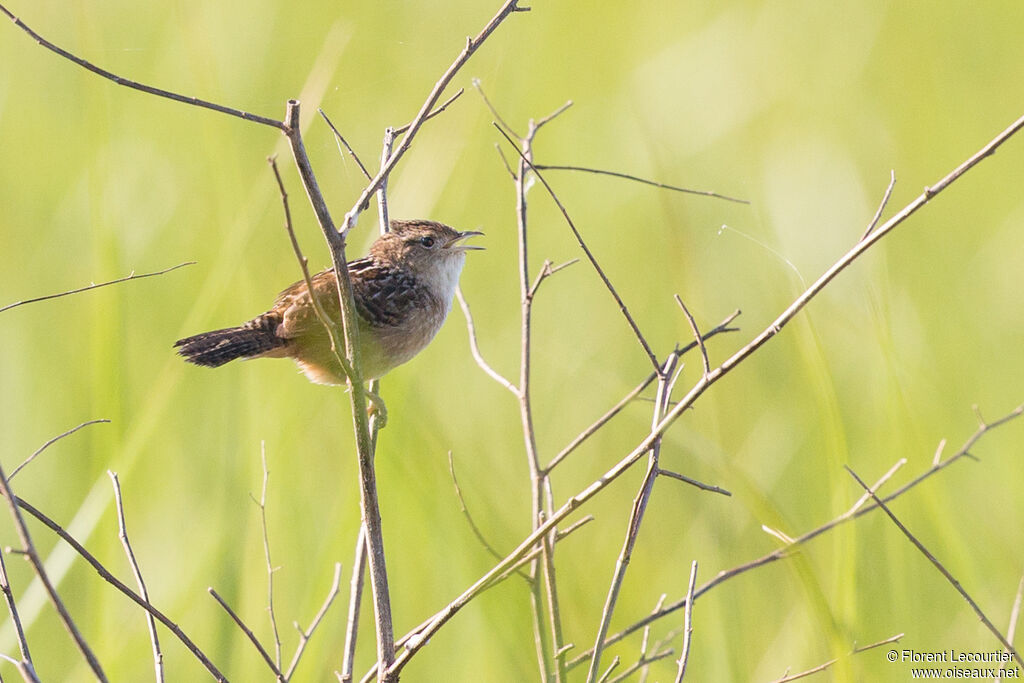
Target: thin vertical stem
(661,403)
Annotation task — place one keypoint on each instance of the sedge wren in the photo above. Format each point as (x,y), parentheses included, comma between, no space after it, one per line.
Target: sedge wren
(403,291)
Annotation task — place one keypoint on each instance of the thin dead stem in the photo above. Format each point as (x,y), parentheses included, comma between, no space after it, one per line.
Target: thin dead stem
(856,511)
(271,569)
(122,533)
(194,101)
(306,634)
(942,569)
(644,181)
(37,565)
(826,665)
(248,634)
(684,654)
(635,519)
(881,207)
(126,278)
(105,574)
(52,441)
(523,154)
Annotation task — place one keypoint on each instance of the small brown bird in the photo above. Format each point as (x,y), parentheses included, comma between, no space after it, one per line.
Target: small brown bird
(403,291)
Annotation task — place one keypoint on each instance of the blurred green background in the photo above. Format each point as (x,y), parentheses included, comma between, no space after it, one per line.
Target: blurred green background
(801,107)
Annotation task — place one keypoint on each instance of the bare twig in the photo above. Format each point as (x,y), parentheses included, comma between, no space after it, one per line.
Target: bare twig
(126,278)
(608,672)
(497,117)
(434,112)
(693,482)
(306,634)
(343,141)
(635,519)
(28,673)
(547,564)
(684,654)
(140,86)
(121,586)
(472,44)
(52,441)
(642,663)
(696,336)
(826,665)
(412,639)
(614,410)
(626,176)
(853,513)
(12,609)
(547,270)
(645,640)
(248,634)
(475,348)
(325,320)
(122,533)
(44,578)
(586,250)
(942,569)
(262,505)
(369,503)
(882,205)
(354,602)
(465,512)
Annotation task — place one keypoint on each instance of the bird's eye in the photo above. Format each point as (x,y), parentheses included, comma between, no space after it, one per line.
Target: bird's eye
(427,241)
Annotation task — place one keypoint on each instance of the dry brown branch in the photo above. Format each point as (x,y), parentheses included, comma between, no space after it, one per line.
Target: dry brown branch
(12,609)
(856,511)
(687,625)
(342,141)
(306,634)
(368,500)
(412,640)
(941,567)
(881,205)
(693,482)
(635,519)
(37,565)
(497,118)
(472,44)
(248,634)
(475,348)
(641,663)
(52,441)
(401,130)
(465,513)
(262,505)
(606,676)
(194,101)
(107,576)
(653,183)
(355,600)
(826,665)
(28,674)
(525,156)
(321,314)
(126,278)
(645,641)
(122,533)
(1011,629)
(706,364)
(614,410)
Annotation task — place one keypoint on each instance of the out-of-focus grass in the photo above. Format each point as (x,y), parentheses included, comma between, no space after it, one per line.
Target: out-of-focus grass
(801,109)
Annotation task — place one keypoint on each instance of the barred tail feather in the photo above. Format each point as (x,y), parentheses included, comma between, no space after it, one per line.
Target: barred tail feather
(213,349)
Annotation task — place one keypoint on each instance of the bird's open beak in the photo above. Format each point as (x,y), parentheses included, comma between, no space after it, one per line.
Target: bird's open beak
(456,243)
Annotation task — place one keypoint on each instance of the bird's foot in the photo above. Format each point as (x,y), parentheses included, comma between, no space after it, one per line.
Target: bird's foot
(375,408)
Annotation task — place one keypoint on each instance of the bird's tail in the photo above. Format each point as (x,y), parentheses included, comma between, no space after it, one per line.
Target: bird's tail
(213,349)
